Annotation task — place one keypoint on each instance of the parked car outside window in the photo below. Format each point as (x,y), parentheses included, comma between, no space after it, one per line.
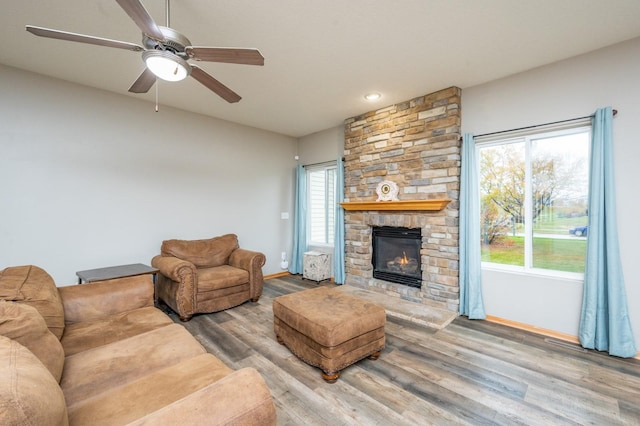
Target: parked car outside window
(579,231)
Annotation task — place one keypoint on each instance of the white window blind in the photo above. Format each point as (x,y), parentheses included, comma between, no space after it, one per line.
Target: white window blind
(321,192)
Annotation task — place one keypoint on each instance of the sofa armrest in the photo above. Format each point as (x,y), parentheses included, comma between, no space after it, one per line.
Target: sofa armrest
(241,398)
(102,299)
(173,268)
(182,298)
(253,262)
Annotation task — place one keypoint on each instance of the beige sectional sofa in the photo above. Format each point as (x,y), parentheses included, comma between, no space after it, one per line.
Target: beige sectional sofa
(101,353)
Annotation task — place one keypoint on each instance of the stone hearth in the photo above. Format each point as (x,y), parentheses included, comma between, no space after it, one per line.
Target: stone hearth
(416,145)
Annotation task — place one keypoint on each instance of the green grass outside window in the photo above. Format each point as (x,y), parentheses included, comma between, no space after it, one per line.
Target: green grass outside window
(548,253)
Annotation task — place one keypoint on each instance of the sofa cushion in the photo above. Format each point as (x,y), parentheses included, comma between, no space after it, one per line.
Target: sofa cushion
(202,253)
(29,395)
(241,398)
(34,286)
(99,300)
(81,336)
(99,370)
(26,326)
(221,277)
(151,392)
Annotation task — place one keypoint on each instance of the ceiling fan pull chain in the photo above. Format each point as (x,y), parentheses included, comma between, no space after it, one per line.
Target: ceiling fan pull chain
(157,84)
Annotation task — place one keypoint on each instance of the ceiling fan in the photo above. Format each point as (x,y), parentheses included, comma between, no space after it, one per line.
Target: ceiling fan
(165,52)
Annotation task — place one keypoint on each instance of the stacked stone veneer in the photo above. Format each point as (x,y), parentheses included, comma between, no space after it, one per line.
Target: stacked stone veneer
(416,145)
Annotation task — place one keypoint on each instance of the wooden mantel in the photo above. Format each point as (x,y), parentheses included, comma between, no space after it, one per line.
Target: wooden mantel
(414,205)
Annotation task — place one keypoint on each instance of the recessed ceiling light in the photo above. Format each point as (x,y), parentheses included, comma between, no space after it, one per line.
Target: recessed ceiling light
(372,96)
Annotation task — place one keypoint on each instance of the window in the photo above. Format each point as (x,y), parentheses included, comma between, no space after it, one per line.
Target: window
(533,200)
(321,204)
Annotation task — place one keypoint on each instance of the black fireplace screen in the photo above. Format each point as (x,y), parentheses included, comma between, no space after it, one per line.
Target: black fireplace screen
(396,255)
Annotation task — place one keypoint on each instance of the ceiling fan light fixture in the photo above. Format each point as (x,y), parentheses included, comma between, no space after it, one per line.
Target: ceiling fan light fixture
(166,65)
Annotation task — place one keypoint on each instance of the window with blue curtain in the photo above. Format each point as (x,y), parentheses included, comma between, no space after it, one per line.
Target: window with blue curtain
(318,221)
(548,206)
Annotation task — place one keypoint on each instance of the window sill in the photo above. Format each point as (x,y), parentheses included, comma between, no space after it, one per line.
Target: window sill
(321,245)
(533,272)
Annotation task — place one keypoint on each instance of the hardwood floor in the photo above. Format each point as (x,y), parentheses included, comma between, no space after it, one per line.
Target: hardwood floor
(470,372)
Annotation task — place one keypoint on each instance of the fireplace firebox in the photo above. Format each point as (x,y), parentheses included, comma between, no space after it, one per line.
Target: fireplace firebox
(396,255)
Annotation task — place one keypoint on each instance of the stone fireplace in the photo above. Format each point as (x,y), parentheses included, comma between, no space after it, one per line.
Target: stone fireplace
(414,144)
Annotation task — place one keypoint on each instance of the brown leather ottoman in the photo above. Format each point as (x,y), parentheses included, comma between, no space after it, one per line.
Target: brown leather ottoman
(329,329)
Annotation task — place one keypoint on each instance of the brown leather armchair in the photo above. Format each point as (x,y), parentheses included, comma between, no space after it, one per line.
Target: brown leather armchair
(203,276)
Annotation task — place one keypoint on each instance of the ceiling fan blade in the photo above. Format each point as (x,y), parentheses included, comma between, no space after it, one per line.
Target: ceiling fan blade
(144,82)
(225,54)
(141,17)
(214,85)
(81,38)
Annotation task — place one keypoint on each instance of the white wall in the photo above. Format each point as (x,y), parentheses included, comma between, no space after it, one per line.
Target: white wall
(326,145)
(567,89)
(91,179)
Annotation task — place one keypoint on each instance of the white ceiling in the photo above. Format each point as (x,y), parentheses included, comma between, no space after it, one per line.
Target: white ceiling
(321,56)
